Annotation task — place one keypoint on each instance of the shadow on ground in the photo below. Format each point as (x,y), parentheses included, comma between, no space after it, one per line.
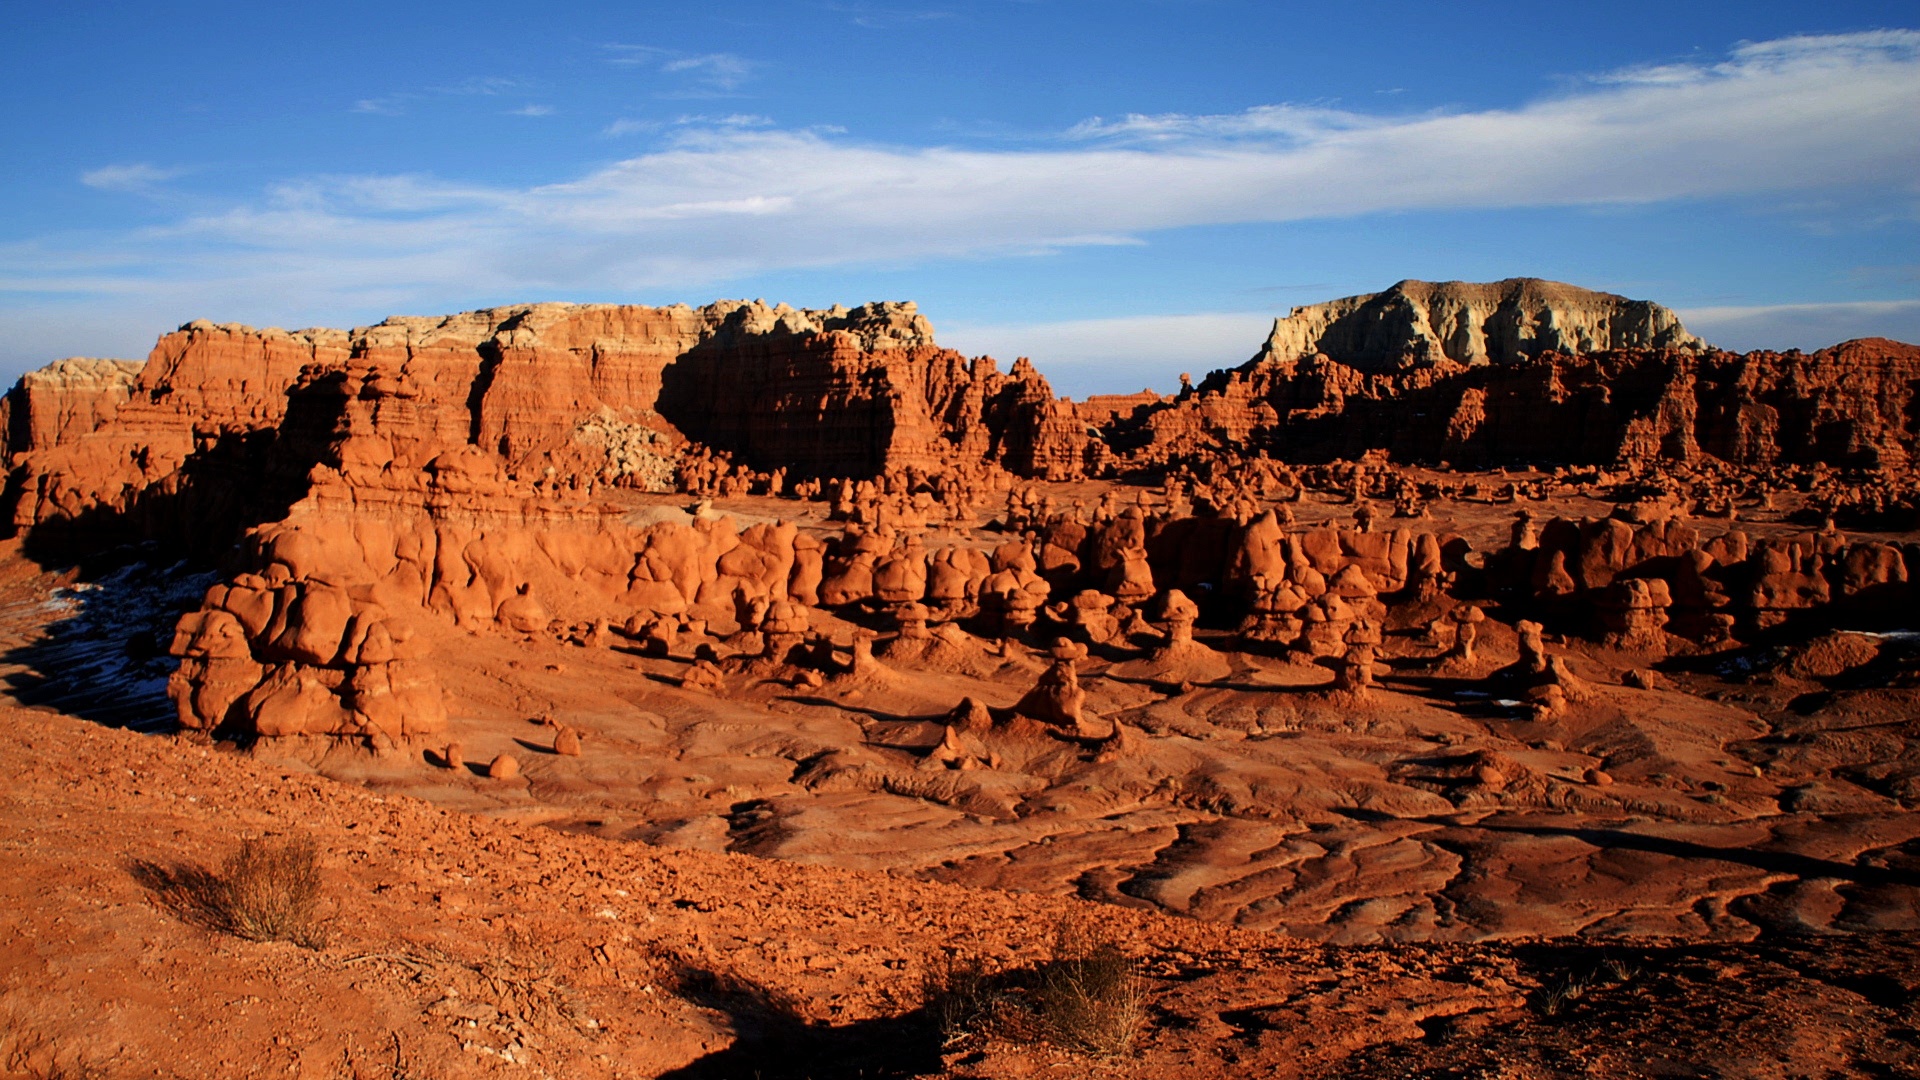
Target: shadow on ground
(774,1042)
(102,653)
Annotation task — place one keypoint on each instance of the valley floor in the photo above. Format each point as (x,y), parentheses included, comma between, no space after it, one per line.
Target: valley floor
(460,945)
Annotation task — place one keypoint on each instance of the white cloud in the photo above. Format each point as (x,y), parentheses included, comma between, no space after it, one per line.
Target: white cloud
(731,120)
(1119,356)
(635,55)
(139,178)
(1267,123)
(628,126)
(702,75)
(1804,326)
(718,71)
(531,110)
(726,198)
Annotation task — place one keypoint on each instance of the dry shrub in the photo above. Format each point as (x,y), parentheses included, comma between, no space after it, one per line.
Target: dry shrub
(263,892)
(1090,996)
(1086,996)
(271,892)
(966,999)
(1560,996)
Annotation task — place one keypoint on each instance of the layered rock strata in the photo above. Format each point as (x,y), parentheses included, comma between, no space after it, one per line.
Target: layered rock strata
(1502,322)
(1849,405)
(571,393)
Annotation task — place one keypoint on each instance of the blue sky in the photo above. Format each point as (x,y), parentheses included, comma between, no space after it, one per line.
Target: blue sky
(1122,190)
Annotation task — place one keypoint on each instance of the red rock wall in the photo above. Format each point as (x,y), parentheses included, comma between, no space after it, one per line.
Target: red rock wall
(839,392)
(1853,404)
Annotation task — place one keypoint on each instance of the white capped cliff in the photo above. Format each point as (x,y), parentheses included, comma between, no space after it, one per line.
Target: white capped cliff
(1422,322)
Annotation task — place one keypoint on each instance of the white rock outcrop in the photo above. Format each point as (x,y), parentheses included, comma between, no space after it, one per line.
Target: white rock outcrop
(1501,322)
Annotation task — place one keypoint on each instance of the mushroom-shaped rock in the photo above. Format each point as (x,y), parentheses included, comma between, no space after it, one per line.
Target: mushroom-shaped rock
(1179,613)
(704,676)
(1011,599)
(1181,659)
(1355,672)
(787,617)
(1057,697)
(1533,650)
(1131,578)
(912,620)
(970,717)
(1089,612)
(523,613)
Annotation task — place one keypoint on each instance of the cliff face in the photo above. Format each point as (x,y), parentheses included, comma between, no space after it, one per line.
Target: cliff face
(68,398)
(217,420)
(1851,405)
(1502,322)
(221,426)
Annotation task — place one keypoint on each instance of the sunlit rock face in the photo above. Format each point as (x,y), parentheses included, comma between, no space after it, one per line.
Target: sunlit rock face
(1500,322)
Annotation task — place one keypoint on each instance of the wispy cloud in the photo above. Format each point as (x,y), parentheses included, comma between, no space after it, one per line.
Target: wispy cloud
(625,55)
(871,17)
(399,103)
(716,74)
(1804,326)
(719,71)
(531,110)
(728,197)
(730,120)
(1264,124)
(1836,51)
(629,126)
(689,126)
(139,178)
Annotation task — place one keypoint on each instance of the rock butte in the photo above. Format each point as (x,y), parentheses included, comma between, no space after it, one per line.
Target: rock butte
(1458,613)
(1419,322)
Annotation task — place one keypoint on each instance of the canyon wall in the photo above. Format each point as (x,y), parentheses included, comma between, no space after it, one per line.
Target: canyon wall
(219,427)
(1500,322)
(1851,405)
(210,432)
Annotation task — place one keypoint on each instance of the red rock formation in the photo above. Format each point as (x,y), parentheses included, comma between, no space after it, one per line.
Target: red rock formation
(1847,405)
(220,426)
(594,393)
(67,399)
(423,476)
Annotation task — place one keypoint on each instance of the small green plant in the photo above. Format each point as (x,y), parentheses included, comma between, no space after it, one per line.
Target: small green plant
(264,891)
